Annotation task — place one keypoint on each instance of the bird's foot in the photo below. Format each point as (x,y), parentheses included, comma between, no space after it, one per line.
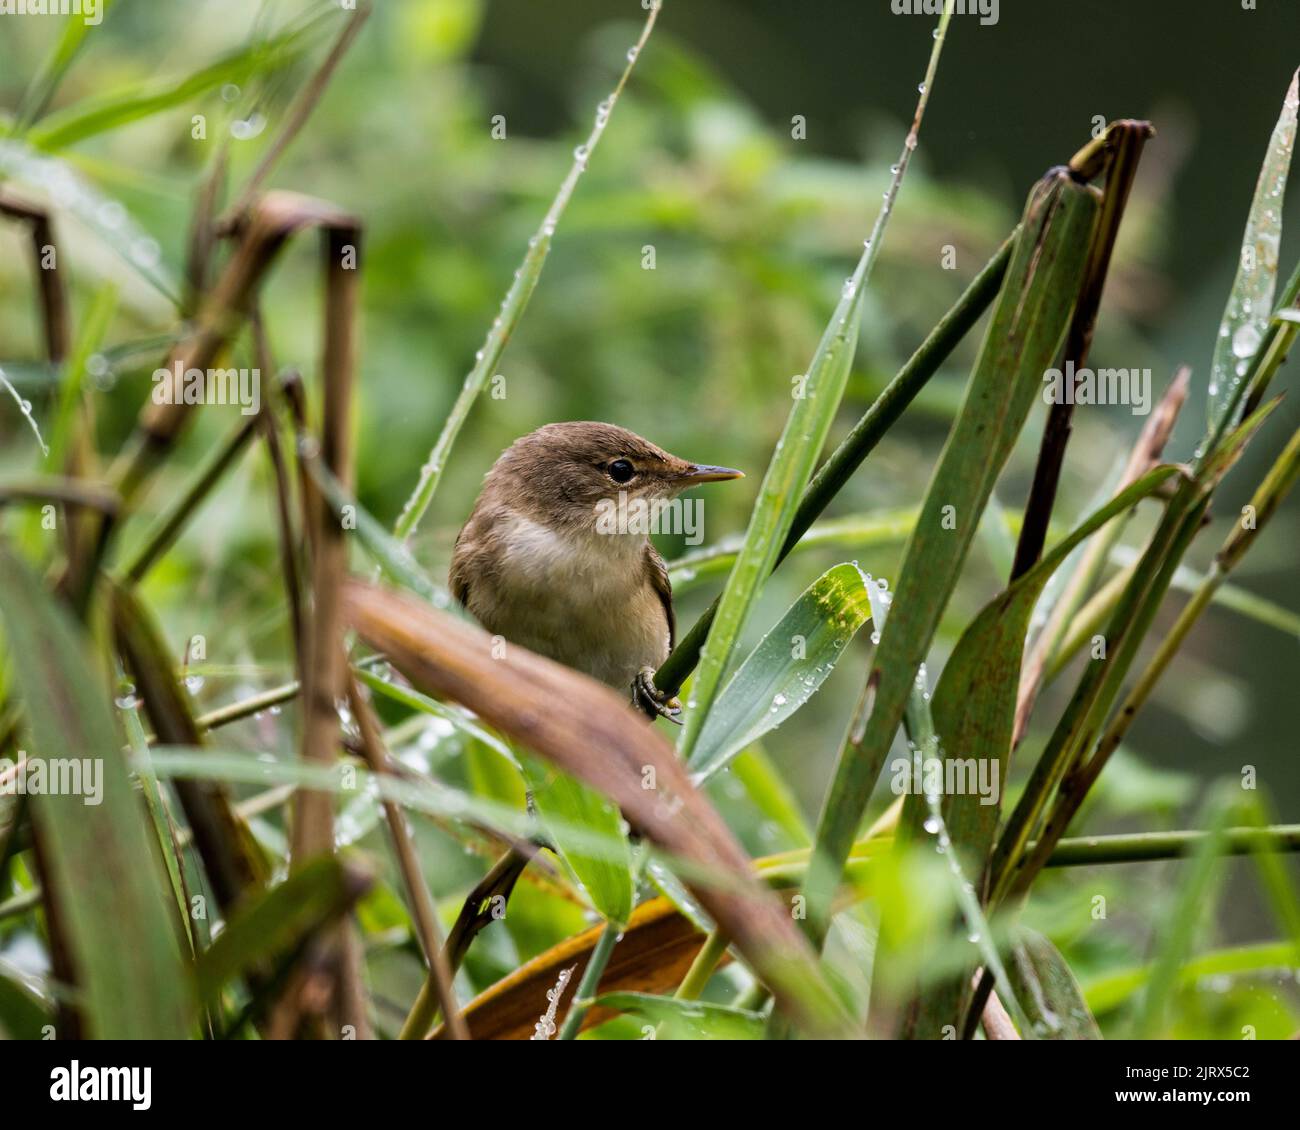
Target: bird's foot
(650,699)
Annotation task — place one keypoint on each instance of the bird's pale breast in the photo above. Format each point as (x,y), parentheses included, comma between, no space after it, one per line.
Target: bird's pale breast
(580,598)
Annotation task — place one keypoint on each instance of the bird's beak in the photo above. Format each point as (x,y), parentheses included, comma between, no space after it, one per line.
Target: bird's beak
(704,473)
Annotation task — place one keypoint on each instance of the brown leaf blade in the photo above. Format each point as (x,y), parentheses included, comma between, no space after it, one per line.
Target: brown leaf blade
(588,731)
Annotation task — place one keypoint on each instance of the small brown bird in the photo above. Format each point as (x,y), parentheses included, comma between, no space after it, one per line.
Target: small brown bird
(545,562)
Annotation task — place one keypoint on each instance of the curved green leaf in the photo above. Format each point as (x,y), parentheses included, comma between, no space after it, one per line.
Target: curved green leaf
(688,1020)
(1048,992)
(787,667)
(23,1014)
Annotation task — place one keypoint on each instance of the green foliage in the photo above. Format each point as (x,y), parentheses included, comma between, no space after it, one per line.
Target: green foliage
(691,263)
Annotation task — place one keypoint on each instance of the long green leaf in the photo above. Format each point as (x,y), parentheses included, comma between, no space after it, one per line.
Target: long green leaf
(857,532)
(426,705)
(1023,339)
(1250,301)
(107,218)
(105,877)
(566,804)
(391,555)
(417,795)
(94,326)
(1108,991)
(276,920)
(46,81)
(1100,683)
(975,701)
(121,106)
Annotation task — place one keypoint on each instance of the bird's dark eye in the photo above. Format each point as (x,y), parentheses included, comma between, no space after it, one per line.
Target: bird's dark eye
(621,471)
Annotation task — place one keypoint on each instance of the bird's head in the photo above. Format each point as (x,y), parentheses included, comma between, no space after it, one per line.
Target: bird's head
(562,473)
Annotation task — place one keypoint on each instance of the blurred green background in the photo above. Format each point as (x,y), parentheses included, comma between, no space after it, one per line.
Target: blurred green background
(753,232)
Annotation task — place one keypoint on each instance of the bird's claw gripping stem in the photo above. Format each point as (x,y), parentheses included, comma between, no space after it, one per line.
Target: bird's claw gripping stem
(649,698)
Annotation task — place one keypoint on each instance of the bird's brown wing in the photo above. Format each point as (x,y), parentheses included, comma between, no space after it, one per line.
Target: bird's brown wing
(460,571)
(658,573)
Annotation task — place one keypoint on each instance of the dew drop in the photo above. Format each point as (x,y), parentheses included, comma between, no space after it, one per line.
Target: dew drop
(243,129)
(111,214)
(145,253)
(1246,340)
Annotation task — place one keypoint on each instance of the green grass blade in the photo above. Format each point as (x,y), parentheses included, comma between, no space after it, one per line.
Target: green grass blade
(787,475)
(416,795)
(105,875)
(409,697)
(90,336)
(1191,902)
(160,818)
(925,745)
(41,90)
(1229,596)
(817,397)
(392,556)
(862,439)
(974,711)
(857,532)
(513,305)
(1100,684)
